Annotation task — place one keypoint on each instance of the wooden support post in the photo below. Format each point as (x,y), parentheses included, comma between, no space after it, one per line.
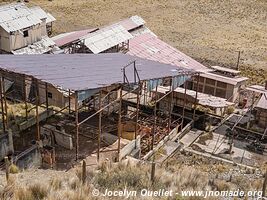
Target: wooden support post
(77,125)
(195,102)
(252,104)
(83,172)
(37,110)
(46,98)
(153,171)
(99,127)
(137,112)
(25,97)
(120,125)
(184,103)
(155,117)
(7,168)
(170,108)
(69,97)
(2,107)
(238,60)
(5,101)
(264,184)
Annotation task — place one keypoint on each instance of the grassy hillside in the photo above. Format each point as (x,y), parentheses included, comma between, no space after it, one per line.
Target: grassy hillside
(177,175)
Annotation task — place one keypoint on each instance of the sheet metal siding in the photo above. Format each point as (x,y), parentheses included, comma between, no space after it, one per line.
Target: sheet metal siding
(43,45)
(85,71)
(18,41)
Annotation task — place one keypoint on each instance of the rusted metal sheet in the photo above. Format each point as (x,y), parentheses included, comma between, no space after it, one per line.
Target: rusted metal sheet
(67,38)
(151,47)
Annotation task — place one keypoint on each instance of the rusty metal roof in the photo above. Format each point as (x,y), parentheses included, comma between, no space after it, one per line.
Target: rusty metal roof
(132,22)
(67,38)
(151,47)
(86,71)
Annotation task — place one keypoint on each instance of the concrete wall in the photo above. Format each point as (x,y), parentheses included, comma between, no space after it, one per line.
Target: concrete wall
(29,158)
(6,145)
(129,148)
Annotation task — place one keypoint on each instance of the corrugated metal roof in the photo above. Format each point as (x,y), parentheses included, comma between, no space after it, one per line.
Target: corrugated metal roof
(224,79)
(17,16)
(41,14)
(224,69)
(40,47)
(132,22)
(262,103)
(151,47)
(50,18)
(106,38)
(85,71)
(203,99)
(257,88)
(66,38)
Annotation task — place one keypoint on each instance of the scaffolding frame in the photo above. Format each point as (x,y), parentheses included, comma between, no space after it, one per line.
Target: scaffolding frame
(28,80)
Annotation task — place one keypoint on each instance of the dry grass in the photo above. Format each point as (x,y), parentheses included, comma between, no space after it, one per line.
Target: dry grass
(127,174)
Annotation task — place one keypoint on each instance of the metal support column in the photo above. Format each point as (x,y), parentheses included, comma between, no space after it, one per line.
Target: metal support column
(170,108)
(77,125)
(5,101)
(2,106)
(155,117)
(185,85)
(46,98)
(195,102)
(99,127)
(69,97)
(37,102)
(25,97)
(120,125)
(137,111)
